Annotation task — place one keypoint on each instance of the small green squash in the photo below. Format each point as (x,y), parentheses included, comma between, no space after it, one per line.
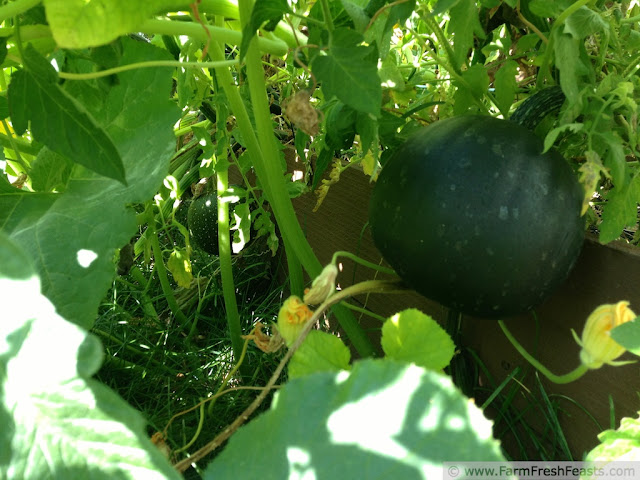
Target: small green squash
(470,213)
(202,218)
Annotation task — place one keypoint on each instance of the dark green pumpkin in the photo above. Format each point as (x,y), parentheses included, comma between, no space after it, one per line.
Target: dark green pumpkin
(471,214)
(202,218)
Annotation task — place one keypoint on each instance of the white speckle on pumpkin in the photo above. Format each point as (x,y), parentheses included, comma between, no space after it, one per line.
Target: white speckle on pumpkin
(503,213)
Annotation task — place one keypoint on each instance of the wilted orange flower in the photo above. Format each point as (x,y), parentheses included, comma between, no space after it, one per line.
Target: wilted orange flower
(266,343)
(597,345)
(293,314)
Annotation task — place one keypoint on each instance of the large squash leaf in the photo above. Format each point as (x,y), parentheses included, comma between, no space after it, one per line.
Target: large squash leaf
(382,420)
(57,120)
(57,423)
(72,236)
(88,23)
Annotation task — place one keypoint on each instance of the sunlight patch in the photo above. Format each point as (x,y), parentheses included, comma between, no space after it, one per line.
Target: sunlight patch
(86,257)
(300,464)
(375,434)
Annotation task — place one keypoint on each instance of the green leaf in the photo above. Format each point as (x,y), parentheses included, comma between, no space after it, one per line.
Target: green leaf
(89,23)
(349,72)
(506,85)
(320,352)
(615,159)
(584,22)
(179,265)
(340,127)
(547,9)
(357,13)
(390,74)
(382,420)
(573,64)
(476,84)
(63,232)
(367,128)
(57,422)
(463,26)
(620,444)
(57,120)
(15,264)
(50,171)
(442,6)
(412,336)
(620,211)
(590,173)
(270,11)
(628,335)
(551,137)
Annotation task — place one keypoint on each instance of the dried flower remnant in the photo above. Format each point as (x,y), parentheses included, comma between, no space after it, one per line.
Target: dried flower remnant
(299,110)
(266,343)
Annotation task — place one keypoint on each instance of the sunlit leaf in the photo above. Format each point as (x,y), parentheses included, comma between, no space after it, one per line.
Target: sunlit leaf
(412,336)
(91,218)
(58,423)
(381,420)
(320,352)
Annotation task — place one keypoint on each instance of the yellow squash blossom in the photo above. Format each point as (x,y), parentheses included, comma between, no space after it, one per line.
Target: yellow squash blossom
(597,345)
(293,314)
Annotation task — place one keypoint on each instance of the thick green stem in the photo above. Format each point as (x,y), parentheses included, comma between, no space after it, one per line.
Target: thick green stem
(228,9)
(12,9)
(296,275)
(267,165)
(162,271)
(566,378)
(226,270)
(196,30)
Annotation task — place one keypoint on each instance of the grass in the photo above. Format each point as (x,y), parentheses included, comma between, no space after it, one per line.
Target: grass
(163,368)
(527,421)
